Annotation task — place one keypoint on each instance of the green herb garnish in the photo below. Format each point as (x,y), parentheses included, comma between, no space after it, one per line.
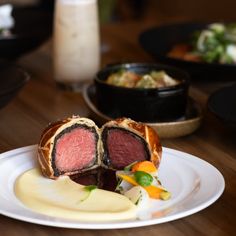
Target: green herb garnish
(90,188)
(129,167)
(118,187)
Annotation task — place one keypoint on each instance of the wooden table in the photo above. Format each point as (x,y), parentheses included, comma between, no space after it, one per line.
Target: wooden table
(41,102)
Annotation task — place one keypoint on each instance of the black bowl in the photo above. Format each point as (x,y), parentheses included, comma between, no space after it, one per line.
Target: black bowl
(13,79)
(32,27)
(146,105)
(158,42)
(222,103)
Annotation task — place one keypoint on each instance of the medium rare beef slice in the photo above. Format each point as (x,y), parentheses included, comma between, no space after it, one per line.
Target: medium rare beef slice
(126,141)
(122,147)
(74,149)
(68,147)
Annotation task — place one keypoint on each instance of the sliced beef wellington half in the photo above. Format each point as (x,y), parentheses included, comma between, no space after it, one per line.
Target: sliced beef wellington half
(68,147)
(126,141)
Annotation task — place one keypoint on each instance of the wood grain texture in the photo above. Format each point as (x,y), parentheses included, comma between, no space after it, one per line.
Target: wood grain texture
(41,102)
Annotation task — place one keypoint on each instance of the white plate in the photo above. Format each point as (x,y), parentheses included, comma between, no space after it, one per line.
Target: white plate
(194,184)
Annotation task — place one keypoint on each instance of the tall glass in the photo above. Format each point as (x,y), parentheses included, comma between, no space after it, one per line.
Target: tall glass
(76,53)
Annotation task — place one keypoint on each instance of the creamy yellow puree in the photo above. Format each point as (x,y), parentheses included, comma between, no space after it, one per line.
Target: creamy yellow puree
(67,199)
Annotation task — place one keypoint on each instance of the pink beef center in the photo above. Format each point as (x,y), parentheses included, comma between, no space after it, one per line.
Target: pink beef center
(75,150)
(124,148)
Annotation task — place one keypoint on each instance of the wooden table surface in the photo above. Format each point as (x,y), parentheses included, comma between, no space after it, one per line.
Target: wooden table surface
(41,102)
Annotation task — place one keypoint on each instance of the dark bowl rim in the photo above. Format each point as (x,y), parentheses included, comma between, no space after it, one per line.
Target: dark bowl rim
(214,111)
(185,80)
(25,78)
(24,36)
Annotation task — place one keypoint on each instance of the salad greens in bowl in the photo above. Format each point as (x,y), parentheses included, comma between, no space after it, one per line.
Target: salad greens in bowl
(216,43)
(207,51)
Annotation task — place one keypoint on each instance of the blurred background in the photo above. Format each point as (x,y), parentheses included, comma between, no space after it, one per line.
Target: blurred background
(149,10)
(183,9)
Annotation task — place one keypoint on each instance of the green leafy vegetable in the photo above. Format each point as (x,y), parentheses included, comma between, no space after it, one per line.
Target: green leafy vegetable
(212,44)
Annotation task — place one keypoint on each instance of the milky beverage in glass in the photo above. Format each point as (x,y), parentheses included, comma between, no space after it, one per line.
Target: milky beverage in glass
(76,42)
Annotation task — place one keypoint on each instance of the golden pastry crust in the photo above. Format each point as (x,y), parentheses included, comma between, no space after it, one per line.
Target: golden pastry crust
(146,132)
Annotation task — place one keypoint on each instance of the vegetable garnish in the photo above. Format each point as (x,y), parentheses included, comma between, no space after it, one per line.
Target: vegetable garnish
(128,178)
(119,188)
(214,43)
(146,166)
(88,189)
(143,178)
(165,195)
(154,192)
(130,166)
(144,175)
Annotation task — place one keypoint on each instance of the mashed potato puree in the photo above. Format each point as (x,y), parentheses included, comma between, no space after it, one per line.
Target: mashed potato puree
(66,199)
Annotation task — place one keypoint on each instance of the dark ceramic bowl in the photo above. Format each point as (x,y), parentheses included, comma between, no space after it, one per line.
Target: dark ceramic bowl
(146,105)
(32,27)
(13,78)
(222,103)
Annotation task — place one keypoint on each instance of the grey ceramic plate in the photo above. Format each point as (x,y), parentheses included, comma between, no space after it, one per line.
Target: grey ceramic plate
(184,126)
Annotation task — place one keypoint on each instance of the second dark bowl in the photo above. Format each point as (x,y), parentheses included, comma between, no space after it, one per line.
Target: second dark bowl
(32,27)
(146,105)
(13,78)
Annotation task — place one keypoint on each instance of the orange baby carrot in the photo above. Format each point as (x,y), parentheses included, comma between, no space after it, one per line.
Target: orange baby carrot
(128,178)
(153,191)
(146,166)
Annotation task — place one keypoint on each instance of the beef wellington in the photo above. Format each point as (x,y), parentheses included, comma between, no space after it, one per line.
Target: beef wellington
(76,145)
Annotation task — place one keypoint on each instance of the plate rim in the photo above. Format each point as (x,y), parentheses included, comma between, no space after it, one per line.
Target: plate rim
(124,224)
